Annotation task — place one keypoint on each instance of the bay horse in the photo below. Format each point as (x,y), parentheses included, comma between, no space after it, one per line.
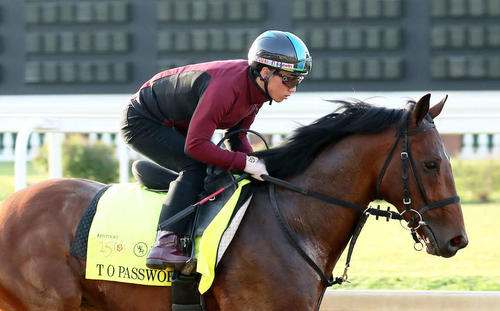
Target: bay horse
(348,155)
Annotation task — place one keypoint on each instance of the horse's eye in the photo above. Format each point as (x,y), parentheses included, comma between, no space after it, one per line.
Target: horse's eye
(431,165)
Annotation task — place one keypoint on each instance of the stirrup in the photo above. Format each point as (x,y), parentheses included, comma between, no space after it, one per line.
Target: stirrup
(189,267)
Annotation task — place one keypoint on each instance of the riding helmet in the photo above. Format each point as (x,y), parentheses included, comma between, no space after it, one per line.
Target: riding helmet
(281,50)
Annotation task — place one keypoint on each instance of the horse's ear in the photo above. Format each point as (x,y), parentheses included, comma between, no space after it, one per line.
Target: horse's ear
(435,110)
(421,109)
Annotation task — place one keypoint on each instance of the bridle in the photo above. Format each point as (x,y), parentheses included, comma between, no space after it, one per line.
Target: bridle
(406,161)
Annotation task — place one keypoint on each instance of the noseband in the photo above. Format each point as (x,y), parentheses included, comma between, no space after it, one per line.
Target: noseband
(407,161)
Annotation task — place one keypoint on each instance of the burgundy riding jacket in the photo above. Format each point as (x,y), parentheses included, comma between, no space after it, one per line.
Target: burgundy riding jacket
(198,99)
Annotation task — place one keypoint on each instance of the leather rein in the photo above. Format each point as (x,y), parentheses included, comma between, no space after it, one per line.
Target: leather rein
(406,161)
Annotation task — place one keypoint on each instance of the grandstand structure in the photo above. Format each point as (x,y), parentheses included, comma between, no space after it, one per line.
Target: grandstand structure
(113,46)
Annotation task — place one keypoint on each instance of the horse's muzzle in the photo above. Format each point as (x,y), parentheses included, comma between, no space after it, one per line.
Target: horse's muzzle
(448,248)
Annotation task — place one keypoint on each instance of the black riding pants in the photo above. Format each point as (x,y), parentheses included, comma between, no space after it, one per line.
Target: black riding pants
(165,146)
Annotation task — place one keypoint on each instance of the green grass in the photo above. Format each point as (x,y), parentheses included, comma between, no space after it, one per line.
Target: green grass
(384,257)
(7,178)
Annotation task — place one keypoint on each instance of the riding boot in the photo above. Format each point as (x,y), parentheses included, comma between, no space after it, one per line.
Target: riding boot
(166,252)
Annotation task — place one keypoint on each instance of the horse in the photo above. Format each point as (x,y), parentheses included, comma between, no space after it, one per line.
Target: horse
(348,155)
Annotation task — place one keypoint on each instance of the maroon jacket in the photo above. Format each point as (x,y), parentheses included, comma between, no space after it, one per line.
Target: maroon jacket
(198,99)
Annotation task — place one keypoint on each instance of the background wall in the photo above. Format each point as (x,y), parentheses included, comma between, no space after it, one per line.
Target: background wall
(113,46)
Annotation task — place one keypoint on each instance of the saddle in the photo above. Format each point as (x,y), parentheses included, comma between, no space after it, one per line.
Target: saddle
(114,253)
(157,178)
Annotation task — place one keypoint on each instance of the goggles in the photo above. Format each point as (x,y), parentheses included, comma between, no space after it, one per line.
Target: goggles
(290,82)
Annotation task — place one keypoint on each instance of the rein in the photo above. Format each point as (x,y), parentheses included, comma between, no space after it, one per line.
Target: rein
(406,161)
(367,211)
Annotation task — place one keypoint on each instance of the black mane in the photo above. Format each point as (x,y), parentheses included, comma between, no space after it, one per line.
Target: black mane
(303,146)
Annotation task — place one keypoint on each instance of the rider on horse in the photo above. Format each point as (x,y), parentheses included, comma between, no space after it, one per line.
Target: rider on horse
(172,118)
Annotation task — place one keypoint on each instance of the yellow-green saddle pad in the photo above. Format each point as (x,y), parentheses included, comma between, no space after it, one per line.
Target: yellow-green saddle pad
(124,230)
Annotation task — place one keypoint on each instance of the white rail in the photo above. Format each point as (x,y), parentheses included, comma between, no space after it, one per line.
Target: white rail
(385,300)
(467,113)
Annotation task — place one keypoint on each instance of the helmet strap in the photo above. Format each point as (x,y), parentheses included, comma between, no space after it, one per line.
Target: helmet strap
(266,82)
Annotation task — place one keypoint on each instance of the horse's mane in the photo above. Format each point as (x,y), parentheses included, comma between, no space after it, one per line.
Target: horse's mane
(352,117)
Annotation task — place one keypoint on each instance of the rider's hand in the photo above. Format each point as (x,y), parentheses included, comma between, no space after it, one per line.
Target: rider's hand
(255,167)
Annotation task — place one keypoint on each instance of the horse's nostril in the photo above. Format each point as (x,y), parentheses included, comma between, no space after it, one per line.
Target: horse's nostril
(458,242)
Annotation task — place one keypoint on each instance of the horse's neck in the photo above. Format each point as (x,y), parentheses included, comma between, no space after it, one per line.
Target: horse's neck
(322,229)
(344,172)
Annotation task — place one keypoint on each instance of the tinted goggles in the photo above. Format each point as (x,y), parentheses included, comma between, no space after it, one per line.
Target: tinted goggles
(290,82)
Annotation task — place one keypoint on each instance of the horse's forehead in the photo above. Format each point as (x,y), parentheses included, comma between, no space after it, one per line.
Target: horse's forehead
(430,142)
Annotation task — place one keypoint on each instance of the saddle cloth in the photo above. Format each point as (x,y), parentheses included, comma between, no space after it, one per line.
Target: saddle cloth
(123,230)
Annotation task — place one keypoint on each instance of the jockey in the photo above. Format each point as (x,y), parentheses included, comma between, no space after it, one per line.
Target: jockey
(172,118)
